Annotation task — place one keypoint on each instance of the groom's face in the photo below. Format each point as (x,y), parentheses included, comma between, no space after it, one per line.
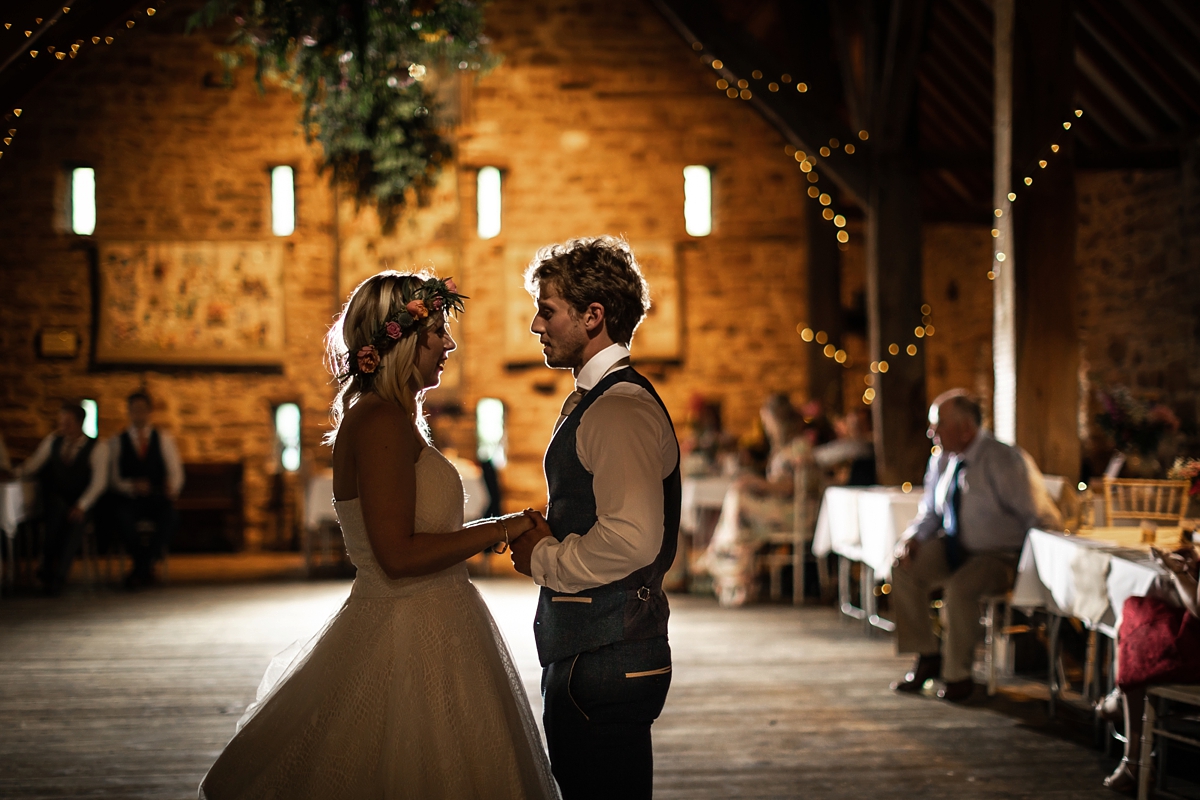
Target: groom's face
(560,329)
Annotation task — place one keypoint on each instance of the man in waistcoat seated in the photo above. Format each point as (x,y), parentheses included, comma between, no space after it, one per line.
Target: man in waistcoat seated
(147,475)
(981,498)
(611,526)
(71,469)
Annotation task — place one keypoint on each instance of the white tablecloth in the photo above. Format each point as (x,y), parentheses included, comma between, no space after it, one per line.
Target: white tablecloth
(863,523)
(1082,577)
(13,505)
(707,492)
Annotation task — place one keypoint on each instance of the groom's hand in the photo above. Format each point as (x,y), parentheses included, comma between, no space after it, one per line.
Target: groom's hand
(522,546)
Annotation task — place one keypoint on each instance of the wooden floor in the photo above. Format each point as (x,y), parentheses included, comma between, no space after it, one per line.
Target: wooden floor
(132,696)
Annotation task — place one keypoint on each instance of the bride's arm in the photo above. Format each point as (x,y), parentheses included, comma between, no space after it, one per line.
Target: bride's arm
(385,454)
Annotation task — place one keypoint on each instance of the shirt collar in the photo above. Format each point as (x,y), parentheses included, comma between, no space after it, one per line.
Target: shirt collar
(136,433)
(972,450)
(600,365)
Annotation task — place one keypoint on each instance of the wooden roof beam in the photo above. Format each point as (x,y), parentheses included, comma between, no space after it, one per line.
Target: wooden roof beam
(1138,77)
(1135,10)
(699,22)
(1092,71)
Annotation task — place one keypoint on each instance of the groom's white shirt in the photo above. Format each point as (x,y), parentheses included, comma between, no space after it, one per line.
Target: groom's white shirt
(628,445)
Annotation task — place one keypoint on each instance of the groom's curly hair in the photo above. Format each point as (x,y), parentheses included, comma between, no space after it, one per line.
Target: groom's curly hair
(598,269)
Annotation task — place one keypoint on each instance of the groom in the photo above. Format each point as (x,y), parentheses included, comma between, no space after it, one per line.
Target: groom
(609,534)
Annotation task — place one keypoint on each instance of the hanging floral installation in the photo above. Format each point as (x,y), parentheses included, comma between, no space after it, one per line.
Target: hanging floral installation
(362,70)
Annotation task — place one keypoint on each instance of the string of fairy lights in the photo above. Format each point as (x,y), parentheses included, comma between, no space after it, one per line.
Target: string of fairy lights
(1042,161)
(736,88)
(56,51)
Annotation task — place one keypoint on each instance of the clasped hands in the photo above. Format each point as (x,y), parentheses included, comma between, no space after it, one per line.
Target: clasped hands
(524,530)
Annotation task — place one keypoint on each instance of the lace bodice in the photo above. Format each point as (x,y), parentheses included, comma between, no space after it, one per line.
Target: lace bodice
(439,509)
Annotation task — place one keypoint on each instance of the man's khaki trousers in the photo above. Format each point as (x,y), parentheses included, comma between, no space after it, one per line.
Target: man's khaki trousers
(979,575)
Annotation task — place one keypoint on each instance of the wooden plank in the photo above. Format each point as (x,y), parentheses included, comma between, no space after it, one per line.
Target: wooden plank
(133,696)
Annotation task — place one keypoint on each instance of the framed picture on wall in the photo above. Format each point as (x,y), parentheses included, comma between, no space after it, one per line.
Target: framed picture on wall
(190,303)
(658,338)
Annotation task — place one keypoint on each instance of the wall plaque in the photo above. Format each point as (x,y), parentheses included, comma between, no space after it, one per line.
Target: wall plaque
(201,303)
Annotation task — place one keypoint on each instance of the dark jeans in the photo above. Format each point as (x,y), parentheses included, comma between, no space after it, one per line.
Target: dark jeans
(146,542)
(63,538)
(599,707)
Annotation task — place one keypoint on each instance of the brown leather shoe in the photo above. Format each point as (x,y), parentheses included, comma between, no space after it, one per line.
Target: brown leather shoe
(925,668)
(957,691)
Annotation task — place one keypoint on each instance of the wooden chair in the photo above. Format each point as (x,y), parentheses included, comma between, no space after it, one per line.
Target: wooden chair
(1157,501)
(1157,726)
(796,543)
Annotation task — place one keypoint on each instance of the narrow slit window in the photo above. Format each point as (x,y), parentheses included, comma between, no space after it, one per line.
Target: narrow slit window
(83,201)
(91,417)
(287,435)
(487,202)
(489,430)
(283,201)
(697,200)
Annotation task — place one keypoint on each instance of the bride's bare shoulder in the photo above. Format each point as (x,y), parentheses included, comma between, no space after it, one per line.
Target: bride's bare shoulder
(372,419)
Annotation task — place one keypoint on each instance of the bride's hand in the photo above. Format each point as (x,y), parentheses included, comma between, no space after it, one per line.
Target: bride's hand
(517,524)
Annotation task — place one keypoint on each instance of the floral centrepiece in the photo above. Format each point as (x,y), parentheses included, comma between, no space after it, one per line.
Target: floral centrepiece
(1134,425)
(439,293)
(1186,469)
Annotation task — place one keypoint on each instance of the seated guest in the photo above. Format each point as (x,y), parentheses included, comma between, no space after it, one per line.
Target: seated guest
(851,456)
(147,475)
(1158,642)
(71,469)
(979,503)
(756,506)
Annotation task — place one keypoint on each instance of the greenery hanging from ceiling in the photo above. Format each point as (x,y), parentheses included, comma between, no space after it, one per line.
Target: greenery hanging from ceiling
(363,70)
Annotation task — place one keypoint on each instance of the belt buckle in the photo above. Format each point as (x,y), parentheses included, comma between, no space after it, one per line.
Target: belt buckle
(643,594)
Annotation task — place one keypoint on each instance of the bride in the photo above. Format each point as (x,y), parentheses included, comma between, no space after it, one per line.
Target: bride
(409,690)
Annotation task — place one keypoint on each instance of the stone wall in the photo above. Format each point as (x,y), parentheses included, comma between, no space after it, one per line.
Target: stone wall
(592,116)
(1139,262)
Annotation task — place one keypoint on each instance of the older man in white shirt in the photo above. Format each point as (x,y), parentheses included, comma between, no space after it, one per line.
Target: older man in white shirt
(981,498)
(71,469)
(612,474)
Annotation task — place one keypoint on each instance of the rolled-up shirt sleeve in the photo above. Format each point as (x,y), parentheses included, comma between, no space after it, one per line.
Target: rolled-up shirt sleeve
(99,481)
(173,463)
(29,467)
(625,441)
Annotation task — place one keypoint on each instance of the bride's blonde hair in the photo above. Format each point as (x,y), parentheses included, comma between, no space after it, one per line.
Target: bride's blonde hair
(397,378)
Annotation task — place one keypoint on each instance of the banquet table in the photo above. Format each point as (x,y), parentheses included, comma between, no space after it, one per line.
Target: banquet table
(701,497)
(1089,576)
(863,523)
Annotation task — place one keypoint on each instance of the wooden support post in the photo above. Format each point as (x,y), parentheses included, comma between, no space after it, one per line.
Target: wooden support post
(1035,334)
(824,308)
(894,298)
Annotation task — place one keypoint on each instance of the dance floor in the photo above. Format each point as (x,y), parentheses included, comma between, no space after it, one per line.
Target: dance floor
(132,696)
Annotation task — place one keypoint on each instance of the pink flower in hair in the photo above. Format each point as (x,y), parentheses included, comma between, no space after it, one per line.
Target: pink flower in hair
(451,286)
(368,359)
(417,309)
(393,330)
(437,303)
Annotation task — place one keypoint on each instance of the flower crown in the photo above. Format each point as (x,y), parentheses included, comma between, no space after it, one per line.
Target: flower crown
(433,296)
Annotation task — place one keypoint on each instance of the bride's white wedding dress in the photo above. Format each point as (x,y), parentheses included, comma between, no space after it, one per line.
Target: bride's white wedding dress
(408,692)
